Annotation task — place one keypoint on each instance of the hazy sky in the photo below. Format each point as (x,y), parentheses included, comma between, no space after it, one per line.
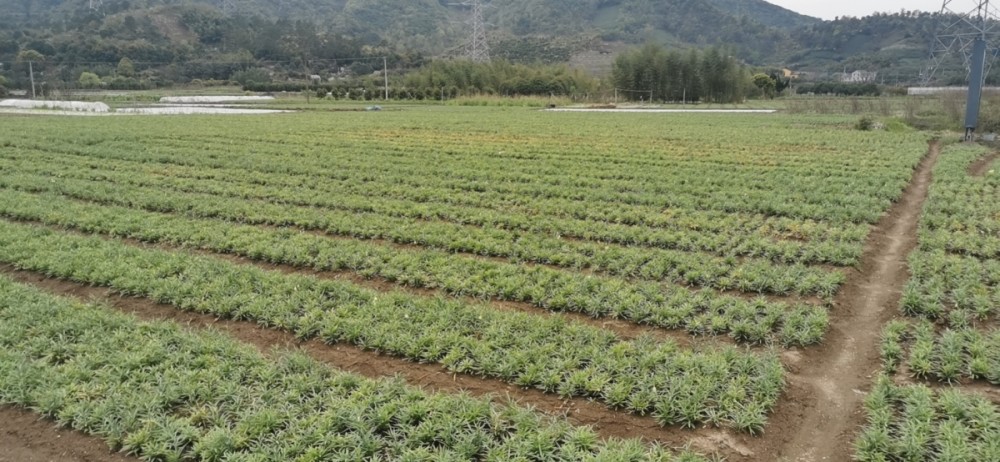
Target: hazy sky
(829,9)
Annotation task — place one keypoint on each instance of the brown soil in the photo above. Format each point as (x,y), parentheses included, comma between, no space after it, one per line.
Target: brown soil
(607,422)
(982,166)
(26,437)
(818,418)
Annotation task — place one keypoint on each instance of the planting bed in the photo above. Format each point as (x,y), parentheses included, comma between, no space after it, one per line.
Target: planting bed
(686,286)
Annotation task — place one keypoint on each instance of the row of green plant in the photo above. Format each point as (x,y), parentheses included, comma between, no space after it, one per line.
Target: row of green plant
(747,187)
(948,355)
(978,239)
(724,273)
(159,392)
(701,313)
(948,336)
(949,284)
(722,386)
(962,202)
(962,216)
(915,422)
(752,236)
(473,157)
(943,284)
(415,192)
(523,148)
(860,199)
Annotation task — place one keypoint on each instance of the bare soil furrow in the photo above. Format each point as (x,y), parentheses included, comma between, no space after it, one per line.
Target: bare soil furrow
(27,437)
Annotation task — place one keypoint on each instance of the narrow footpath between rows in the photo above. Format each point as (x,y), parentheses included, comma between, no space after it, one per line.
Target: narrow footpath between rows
(833,378)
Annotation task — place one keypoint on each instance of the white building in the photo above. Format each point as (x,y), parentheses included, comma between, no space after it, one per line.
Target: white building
(859,77)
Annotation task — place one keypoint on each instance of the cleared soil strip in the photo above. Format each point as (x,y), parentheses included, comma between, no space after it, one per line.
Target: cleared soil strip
(607,422)
(27,437)
(835,376)
(982,166)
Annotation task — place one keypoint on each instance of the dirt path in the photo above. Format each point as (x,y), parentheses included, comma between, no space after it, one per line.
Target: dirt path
(433,377)
(836,375)
(982,166)
(26,437)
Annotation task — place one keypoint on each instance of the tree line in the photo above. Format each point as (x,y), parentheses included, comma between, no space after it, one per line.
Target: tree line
(655,73)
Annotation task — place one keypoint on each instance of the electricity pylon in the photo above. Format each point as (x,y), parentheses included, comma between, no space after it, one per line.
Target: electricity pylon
(230,7)
(970,29)
(477,49)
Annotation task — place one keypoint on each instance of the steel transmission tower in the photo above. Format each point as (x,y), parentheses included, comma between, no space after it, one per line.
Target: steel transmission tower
(970,29)
(96,4)
(477,49)
(230,7)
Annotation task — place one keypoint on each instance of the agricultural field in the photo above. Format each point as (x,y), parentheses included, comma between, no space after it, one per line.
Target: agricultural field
(937,398)
(466,283)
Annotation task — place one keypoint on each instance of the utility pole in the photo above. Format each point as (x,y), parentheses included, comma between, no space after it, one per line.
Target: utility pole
(31,72)
(385,72)
(477,49)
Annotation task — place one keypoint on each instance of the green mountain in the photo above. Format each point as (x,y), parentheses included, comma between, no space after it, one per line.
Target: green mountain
(550,31)
(756,28)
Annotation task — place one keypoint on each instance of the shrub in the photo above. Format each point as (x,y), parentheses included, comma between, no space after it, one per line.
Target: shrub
(865,124)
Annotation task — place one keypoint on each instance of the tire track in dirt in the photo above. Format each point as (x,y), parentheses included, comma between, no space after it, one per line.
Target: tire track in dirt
(834,378)
(606,422)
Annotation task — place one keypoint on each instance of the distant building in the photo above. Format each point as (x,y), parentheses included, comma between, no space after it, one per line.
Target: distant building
(790,74)
(859,77)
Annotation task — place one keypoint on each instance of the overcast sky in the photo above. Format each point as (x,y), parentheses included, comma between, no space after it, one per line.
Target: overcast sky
(829,9)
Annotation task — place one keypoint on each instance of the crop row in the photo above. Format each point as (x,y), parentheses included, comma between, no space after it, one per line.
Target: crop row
(718,386)
(837,153)
(860,198)
(918,423)
(660,305)
(953,294)
(688,181)
(950,355)
(942,284)
(949,283)
(155,391)
(776,239)
(549,181)
(843,153)
(422,191)
(724,273)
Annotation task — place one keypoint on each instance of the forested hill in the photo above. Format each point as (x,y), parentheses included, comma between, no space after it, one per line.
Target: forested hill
(756,28)
(549,31)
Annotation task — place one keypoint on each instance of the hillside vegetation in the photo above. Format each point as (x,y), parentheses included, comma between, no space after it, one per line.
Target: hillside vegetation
(521,31)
